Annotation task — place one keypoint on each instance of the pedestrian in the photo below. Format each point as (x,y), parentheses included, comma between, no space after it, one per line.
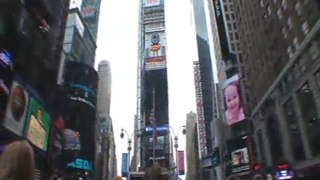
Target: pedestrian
(17,161)
(153,172)
(117,178)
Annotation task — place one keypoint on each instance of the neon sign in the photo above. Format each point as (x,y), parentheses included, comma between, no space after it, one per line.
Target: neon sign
(80,164)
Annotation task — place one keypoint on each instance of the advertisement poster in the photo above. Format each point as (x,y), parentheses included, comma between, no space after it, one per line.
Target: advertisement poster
(239,149)
(16,109)
(124,165)
(37,125)
(180,162)
(234,111)
(148,3)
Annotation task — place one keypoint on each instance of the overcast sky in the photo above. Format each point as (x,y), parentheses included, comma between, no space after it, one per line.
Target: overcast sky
(117,42)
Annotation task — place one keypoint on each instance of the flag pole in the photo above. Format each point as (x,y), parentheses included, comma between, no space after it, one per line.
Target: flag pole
(154,130)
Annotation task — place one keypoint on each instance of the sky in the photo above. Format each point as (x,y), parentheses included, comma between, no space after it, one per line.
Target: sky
(118,43)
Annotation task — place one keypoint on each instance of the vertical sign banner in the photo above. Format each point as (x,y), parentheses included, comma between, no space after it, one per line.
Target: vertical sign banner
(181,162)
(124,165)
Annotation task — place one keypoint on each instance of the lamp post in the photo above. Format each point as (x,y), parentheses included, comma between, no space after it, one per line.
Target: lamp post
(129,146)
(176,145)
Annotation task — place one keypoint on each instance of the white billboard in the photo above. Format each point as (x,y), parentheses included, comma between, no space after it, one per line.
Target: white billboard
(148,3)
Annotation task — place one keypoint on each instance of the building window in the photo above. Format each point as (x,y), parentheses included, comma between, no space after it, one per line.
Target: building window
(225,7)
(295,43)
(279,14)
(298,8)
(231,7)
(284,4)
(289,23)
(261,3)
(227,17)
(314,50)
(234,25)
(284,33)
(236,35)
(238,46)
(231,36)
(229,27)
(289,52)
(269,10)
(232,47)
(305,28)
(233,17)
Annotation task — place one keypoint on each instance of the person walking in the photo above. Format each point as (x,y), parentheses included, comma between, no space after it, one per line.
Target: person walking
(17,161)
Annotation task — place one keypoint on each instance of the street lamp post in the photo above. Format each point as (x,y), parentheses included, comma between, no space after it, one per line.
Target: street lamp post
(129,146)
(176,145)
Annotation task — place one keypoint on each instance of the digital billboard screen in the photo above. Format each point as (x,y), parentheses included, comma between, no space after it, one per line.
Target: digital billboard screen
(37,125)
(159,143)
(16,109)
(234,111)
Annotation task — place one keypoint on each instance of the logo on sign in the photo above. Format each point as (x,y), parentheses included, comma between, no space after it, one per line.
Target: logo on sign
(80,164)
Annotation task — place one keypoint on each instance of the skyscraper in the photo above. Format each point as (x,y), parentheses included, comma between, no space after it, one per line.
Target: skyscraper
(191,135)
(204,83)
(280,50)
(152,84)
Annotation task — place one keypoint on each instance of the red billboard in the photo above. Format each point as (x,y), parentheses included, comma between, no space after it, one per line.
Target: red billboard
(180,162)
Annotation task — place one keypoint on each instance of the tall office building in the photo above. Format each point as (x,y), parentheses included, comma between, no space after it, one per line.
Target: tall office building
(104,88)
(191,135)
(80,81)
(103,112)
(280,50)
(204,84)
(152,84)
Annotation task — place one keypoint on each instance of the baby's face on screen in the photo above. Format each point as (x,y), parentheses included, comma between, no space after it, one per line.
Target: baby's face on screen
(232,97)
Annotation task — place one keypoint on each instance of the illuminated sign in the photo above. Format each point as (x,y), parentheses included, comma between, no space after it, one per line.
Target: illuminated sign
(37,125)
(159,129)
(80,164)
(5,57)
(151,3)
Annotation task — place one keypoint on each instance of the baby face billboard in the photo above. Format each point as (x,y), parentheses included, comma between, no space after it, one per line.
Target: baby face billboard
(232,100)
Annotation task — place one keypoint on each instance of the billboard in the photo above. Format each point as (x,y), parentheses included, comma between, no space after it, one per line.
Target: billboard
(124,165)
(16,109)
(234,111)
(148,3)
(161,129)
(240,152)
(159,143)
(155,52)
(180,162)
(81,81)
(37,125)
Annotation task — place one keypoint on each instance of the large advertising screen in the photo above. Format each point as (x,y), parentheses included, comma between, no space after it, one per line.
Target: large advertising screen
(16,109)
(81,81)
(158,143)
(240,152)
(37,125)
(155,51)
(234,111)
